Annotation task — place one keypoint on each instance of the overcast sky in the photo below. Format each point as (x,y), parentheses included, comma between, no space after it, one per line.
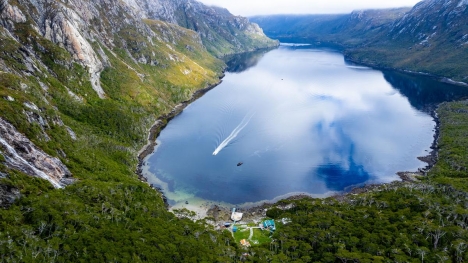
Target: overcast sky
(262,7)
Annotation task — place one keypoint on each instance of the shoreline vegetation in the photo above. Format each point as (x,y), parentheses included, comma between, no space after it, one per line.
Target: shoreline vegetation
(438,78)
(156,129)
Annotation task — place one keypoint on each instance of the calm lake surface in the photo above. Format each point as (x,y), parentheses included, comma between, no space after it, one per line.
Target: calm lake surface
(300,120)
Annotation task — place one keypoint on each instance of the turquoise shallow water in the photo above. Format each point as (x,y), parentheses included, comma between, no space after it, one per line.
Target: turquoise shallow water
(296,120)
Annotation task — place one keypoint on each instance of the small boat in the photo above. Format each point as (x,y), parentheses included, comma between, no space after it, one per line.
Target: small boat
(240,163)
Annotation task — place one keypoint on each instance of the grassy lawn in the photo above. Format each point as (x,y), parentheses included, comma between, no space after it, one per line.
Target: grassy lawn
(259,236)
(242,233)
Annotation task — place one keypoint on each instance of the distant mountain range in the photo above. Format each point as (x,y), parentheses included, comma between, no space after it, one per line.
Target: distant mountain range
(341,29)
(431,37)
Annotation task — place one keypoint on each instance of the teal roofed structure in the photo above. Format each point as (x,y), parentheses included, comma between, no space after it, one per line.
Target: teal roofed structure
(269,224)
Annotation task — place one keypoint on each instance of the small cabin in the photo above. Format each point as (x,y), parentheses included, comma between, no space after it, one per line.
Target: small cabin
(245,243)
(269,224)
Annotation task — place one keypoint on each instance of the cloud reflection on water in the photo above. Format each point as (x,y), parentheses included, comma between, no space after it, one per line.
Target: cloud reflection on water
(319,126)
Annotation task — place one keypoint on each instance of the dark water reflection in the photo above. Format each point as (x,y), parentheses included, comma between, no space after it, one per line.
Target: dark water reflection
(301,121)
(423,92)
(241,62)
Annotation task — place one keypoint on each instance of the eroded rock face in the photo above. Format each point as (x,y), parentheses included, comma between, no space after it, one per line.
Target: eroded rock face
(433,21)
(83,27)
(21,154)
(75,25)
(215,25)
(13,13)
(61,25)
(61,30)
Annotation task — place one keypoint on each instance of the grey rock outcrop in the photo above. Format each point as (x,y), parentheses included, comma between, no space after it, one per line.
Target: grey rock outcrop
(433,21)
(77,26)
(61,25)
(220,31)
(21,154)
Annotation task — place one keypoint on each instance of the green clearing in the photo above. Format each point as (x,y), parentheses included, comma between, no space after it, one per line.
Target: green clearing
(260,237)
(241,233)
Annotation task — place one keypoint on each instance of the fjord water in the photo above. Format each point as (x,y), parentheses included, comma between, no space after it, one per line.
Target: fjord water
(296,120)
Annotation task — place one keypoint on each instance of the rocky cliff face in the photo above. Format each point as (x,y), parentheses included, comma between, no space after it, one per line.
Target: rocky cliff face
(75,26)
(433,21)
(221,32)
(21,154)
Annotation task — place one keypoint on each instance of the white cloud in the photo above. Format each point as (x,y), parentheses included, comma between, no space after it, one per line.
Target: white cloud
(261,7)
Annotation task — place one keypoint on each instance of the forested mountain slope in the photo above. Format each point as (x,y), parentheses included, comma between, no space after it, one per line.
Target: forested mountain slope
(81,82)
(432,38)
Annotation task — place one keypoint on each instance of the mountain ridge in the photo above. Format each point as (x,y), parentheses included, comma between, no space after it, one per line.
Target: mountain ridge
(430,37)
(334,28)
(222,33)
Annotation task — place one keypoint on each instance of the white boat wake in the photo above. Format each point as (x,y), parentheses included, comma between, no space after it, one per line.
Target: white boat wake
(234,133)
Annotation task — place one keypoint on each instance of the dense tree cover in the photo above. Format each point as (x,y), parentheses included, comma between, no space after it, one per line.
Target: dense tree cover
(424,221)
(453,162)
(399,222)
(108,215)
(103,222)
